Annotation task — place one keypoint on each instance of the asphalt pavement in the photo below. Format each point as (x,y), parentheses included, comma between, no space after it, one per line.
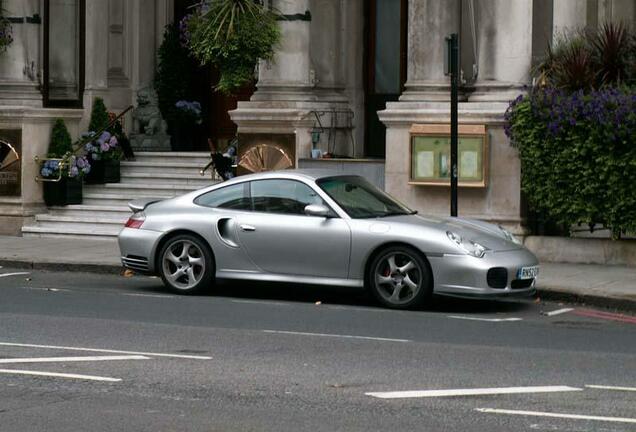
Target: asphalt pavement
(82,351)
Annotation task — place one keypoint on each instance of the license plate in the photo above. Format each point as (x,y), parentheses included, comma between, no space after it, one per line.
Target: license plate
(528,272)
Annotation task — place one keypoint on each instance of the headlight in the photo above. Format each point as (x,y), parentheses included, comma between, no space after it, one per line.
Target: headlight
(509,236)
(470,247)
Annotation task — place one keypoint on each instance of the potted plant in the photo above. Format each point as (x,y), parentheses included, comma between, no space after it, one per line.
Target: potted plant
(103,151)
(62,171)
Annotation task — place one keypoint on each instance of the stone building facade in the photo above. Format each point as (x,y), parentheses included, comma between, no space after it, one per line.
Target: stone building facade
(360,72)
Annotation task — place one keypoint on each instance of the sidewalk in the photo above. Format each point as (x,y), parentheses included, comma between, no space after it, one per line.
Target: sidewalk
(606,286)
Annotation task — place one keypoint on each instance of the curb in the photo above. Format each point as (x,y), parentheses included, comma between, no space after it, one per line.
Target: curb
(52,266)
(554,294)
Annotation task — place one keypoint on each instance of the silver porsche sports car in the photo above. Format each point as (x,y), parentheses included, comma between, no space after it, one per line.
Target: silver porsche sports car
(319,227)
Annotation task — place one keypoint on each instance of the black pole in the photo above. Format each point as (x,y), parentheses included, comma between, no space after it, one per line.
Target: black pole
(454,74)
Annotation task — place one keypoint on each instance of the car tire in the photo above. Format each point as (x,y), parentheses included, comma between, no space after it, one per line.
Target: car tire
(186,265)
(399,277)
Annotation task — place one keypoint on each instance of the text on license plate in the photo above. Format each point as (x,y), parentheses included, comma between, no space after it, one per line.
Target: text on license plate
(528,272)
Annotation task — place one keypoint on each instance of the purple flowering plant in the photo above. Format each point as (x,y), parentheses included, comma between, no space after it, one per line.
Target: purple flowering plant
(69,165)
(104,147)
(578,155)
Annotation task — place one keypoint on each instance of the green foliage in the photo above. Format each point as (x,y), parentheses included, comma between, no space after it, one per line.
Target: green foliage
(578,158)
(233,35)
(61,142)
(174,74)
(591,59)
(99,116)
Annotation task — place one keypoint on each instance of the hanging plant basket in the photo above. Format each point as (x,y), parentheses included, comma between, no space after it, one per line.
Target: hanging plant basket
(104,171)
(64,192)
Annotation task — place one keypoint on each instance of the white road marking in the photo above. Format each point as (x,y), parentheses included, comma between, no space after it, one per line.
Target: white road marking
(72,359)
(59,375)
(150,354)
(337,336)
(13,274)
(470,392)
(629,389)
(484,319)
(559,311)
(557,415)
(148,295)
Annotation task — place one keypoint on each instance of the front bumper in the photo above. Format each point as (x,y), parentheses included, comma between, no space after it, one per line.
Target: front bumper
(466,276)
(137,247)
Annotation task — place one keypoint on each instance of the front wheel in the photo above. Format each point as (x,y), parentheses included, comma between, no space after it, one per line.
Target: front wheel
(186,265)
(399,278)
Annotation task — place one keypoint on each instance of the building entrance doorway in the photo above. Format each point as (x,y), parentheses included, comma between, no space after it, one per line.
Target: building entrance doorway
(385,53)
(215,105)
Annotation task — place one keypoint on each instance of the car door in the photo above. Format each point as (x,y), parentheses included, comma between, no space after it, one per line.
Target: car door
(280,238)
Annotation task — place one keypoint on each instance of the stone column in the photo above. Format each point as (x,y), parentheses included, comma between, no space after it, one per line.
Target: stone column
(504,46)
(96,60)
(430,22)
(289,75)
(20,69)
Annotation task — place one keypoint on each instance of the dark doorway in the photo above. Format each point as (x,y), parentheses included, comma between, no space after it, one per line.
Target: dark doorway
(385,71)
(217,124)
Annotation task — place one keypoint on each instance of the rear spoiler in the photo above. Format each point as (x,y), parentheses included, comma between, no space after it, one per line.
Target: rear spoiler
(140,204)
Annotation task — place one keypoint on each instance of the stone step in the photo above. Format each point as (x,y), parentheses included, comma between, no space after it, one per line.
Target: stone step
(97,221)
(162,167)
(92,211)
(197,158)
(196,182)
(71,231)
(140,189)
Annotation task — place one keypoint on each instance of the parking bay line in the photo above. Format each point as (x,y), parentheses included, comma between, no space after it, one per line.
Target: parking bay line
(13,274)
(71,359)
(150,354)
(603,387)
(470,392)
(58,375)
(557,415)
(558,311)
(484,319)
(336,336)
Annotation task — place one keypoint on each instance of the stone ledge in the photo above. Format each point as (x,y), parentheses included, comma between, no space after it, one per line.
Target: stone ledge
(583,251)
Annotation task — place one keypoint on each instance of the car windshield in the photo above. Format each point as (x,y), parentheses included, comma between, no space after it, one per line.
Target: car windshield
(360,199)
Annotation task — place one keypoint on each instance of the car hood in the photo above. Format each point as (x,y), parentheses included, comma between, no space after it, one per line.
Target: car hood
(486,234)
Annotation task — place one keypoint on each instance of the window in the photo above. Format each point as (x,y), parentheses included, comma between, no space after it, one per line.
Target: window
(283,196)
(360,199)
(235,197)
(64,34)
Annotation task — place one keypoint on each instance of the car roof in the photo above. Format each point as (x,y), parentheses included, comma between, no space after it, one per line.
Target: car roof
(306,173)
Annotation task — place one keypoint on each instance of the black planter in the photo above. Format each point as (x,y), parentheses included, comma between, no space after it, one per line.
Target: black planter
(183,138)
(66,191)
(103,171)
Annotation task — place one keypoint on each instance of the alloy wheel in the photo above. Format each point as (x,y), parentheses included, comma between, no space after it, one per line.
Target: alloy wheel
(398,278)
(183,264)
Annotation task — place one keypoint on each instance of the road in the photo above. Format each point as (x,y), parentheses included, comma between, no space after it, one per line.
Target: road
(83,352)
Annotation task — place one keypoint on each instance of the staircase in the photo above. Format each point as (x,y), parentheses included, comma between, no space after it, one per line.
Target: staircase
(104,210)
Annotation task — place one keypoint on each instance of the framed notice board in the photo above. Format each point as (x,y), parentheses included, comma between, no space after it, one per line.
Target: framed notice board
(430,155)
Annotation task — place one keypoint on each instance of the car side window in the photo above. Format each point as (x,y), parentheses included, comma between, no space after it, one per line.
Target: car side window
(283,196)
(235,197)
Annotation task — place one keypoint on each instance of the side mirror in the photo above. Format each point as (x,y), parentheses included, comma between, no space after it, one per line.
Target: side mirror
(317,210)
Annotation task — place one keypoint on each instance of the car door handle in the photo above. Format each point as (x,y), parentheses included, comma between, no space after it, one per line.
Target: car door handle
(247,228)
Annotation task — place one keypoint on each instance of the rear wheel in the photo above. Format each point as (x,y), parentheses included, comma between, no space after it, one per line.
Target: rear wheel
(186,265)
(399,278)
